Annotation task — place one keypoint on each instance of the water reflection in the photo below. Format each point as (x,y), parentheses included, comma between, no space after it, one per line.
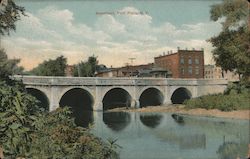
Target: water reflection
(178,118)
(116,121)
(146,135)
(184,141)
(232,150)
(151,120)
(84,119)
(193,141)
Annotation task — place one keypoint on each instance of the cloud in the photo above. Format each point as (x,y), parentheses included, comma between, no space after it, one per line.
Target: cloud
(51,32)
(109,24)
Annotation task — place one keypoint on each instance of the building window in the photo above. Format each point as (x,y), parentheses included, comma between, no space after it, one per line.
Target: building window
(182,60)
(182,71)
(190,70)
(190,61)
(197,62)
(197,70)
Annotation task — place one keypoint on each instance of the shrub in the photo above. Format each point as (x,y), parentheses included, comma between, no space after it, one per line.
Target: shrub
(27,131)
(235,97)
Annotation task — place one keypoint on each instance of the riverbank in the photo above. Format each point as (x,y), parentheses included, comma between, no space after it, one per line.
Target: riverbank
(181,109)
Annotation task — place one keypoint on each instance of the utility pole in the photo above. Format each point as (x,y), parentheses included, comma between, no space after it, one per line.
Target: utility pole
(131,59)
(78,69)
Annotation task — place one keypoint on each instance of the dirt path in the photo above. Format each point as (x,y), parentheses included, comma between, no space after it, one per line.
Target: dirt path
(238,114)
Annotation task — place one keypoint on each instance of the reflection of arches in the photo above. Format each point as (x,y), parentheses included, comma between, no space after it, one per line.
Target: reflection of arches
(116,97)
(151,120)
(180,95)
(116,121)
(81,102)
(151,97)
(40,96)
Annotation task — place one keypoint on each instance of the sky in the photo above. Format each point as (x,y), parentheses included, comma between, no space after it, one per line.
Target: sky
(112,30)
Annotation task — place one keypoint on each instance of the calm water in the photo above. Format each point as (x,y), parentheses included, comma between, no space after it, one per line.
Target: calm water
(160,136)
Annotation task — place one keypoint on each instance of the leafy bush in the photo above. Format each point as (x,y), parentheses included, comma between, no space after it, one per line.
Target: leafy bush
(57,136)
(28,131)
(235,97)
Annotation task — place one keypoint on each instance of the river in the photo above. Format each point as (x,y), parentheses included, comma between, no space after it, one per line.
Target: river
(160,136)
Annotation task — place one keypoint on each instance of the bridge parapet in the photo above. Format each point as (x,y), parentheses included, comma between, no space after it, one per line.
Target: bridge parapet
(97,81)
(196,82)
(89,81)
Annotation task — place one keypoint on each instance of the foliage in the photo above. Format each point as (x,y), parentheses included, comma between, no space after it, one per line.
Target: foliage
(87,68)
(17,116)
(8,66)
(56,136)
(235,97)
(51,67)
(236,88)
(9,14)
(231,45)
(27,131)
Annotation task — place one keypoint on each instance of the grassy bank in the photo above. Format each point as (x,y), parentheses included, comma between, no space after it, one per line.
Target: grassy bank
(236,97)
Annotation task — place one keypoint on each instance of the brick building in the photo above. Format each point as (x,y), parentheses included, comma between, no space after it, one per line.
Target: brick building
(214,72)
(183,63)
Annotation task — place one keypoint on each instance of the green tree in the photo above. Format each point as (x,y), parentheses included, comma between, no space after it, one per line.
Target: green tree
(86,69)
(8,66)
(51,67)
(9,14)
(232,50)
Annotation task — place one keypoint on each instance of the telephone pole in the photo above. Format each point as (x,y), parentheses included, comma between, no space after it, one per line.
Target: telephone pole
(132,60)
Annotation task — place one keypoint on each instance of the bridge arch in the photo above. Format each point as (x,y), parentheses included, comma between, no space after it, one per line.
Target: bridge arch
(151,96)
(116,97)
(40,96)
(180,95)
(81,103)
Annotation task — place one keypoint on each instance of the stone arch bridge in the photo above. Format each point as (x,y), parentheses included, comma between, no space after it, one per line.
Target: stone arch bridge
(104,93)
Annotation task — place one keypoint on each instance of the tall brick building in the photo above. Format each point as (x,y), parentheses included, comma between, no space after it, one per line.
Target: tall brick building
(183,63)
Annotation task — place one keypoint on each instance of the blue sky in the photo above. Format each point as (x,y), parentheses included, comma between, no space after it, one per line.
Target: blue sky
(112,30)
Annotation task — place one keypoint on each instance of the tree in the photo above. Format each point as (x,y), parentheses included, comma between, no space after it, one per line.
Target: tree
(86,69)
(9,14)
(8,66)
(232,50)
(51,67)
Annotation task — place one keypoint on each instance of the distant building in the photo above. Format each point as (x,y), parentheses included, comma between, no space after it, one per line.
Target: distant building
(183,63)
(147,70)
(213,72)
(69,70)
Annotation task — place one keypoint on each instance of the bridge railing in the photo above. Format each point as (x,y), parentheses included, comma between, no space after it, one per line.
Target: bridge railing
(99,81)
